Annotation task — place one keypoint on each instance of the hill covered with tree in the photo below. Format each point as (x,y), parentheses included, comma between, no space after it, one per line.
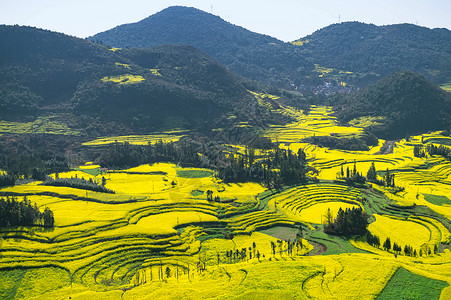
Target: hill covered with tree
(97,90)
(407,101)
(372,52)
(351,52)
(250,54)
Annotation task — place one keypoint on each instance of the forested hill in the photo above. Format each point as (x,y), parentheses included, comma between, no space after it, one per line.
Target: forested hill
(409,103)
(330,54)
(142,90)
(382,50)
(250,54)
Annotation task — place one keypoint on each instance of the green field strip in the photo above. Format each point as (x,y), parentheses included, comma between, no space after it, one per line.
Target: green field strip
(437,199)
(406,285)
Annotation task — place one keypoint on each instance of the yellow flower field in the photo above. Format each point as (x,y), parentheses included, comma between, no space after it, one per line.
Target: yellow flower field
(124,79)
(159,237)
(169,136)
(403,232)
(316,213)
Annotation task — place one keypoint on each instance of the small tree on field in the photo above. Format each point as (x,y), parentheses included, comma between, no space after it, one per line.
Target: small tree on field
(371,176)
(387,244)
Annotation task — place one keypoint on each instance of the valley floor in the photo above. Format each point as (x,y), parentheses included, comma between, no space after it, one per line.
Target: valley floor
(158,236)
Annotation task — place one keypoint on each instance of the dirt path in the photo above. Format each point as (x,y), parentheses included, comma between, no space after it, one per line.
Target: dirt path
(318,249)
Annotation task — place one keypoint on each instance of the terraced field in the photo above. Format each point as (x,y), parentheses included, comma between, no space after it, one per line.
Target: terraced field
(169,136)
(158,236)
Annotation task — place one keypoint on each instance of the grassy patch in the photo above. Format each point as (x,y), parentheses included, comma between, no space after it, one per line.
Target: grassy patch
(405,285)
(194,173)
(196,193)
(437,199)
(23,284)
(48,125)
(10,282)
(334,244)
(93,172)
(439,140)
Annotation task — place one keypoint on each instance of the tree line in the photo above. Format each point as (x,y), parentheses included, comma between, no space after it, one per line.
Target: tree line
(78,183)
(280,167)
(22,213)
(388,245)
(277,168)
(33,164)
(431,149)
(125,155)
(7,180)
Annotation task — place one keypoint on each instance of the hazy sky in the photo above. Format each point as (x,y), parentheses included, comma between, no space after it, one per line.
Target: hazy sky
(287,20)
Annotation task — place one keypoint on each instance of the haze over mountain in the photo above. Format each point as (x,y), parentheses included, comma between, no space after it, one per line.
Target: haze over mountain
(136,90)
(370,52)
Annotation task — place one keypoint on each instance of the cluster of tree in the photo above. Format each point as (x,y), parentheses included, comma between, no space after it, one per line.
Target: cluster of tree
(439,150)
(371,175)
(389,179)
(349,221)
(78,183)
(418,151)
(22,213)
(377,51)
(211,198)
(124,155)
(245,254)
(352,176)
(7,180)
(280,167)
(352,144)
(33,164)
(288,248)
(373,240)
(408,102)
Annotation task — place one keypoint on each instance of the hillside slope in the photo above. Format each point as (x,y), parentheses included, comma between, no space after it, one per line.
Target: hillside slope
(380,50)
(351,52)
(137,90)
(409,103)
(250,54)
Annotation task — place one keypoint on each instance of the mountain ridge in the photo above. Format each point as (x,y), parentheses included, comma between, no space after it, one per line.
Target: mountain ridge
(290,65)
(143,90)
(407,101)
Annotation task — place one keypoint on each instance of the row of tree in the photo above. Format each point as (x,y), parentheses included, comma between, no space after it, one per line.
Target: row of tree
(124,155)
(277,168)
(34,164)
(7,180)
(78,183)
(22,213)
(431,149)
(388,245)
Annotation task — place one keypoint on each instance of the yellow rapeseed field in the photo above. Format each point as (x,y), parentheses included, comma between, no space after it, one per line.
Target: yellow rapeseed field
(159,237)
(403,232)
(169,136)
(124,79)
(317,212)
